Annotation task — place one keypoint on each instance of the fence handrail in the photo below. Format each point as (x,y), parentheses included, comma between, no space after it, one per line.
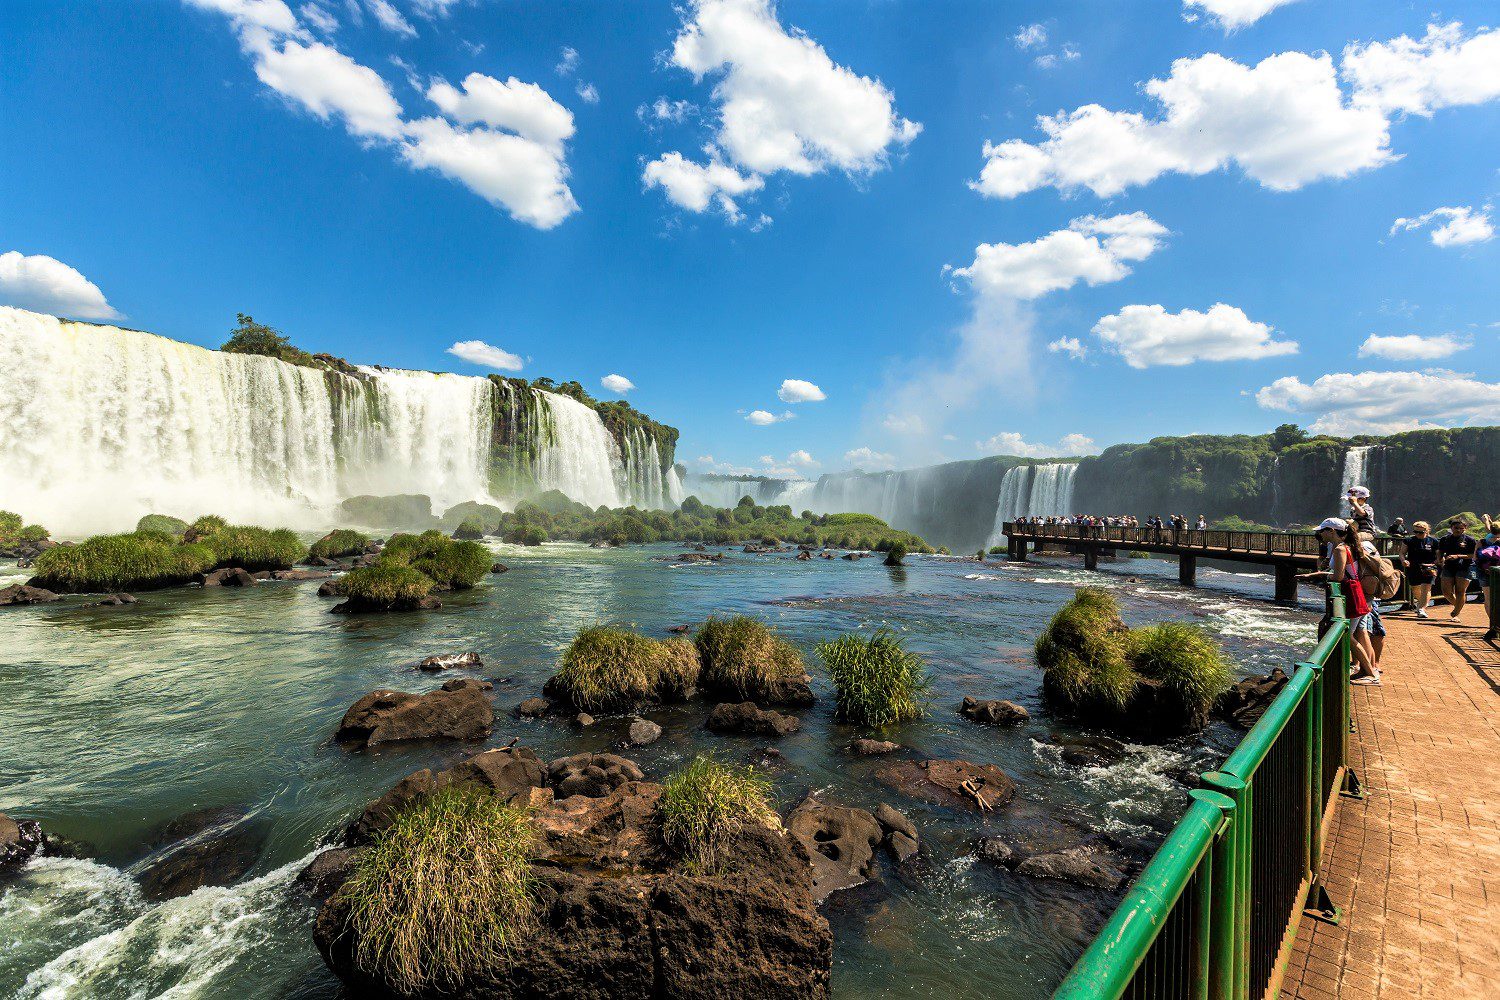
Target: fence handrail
(1268,543)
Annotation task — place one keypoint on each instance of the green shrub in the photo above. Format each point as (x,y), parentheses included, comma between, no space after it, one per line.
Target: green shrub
(13,529)
(1083,654)
(386,584)
(410,548)
(253,548)
(459,565)
(469,528)
(743,655)
(527,534)
(33,533)
(444,892)
(339,543)
(10,523)
(878,681)
(607,668)
(1186,660)
(703,806)
(139,561)
(896,554)
(164,524)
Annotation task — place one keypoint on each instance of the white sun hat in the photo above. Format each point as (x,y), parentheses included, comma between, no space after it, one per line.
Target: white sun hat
(1336,523)
(1360,492)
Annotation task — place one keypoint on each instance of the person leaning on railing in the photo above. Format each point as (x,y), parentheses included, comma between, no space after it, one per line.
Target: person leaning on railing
(1340,544)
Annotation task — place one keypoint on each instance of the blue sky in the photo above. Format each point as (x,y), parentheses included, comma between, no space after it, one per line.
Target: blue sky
(822,207)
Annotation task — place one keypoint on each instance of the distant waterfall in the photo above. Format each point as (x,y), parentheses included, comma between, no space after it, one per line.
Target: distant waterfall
(1033,491)
(1356,472)
(100,425)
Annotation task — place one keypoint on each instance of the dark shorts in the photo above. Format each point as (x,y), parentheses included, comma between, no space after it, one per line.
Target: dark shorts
(1419,576)
(1455,571)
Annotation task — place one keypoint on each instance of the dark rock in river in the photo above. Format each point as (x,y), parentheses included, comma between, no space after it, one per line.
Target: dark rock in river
(993,713)
(533,708)
(19,840)
(643,732)
(328,872)
(840,840)
(499,568)
(21,593)
(592,774)
(513,774)
(459,710)
(1248,700)
(450,661)
(206,847)
(995,851)
(112,601)
(901,837)
(332,588)
(1091,865)
(747,719)
(231,576)
(872,748)
(583,720)
(354,607)
(299,575)
(1092,751)
(943,782)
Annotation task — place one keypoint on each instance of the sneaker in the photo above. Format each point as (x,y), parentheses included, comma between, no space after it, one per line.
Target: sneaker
(1373,681)
(1422,613)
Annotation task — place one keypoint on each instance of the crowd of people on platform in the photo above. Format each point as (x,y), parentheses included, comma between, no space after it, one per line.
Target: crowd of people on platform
(1176,522)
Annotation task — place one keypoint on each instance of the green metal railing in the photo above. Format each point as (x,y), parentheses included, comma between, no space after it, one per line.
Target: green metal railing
(1214,913)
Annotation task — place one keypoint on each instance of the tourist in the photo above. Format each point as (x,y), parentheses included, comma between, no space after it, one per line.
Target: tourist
(1455,561)
(1361,513)
(1369,581)
(1202,524)
(1420,563)
(1397,528)
(1338,538)
(1487,557)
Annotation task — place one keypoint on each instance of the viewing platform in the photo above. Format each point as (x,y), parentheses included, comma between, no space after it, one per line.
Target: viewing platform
(1288,553)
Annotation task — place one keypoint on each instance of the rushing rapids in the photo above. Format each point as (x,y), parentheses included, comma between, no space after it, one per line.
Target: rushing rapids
(99,425)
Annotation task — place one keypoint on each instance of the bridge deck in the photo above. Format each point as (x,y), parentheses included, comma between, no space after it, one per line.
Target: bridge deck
(1416,864)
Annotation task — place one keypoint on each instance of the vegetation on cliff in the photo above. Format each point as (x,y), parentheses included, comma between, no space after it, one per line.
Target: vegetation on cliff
(878,681)
(608,668)
(703,806)
(250,337)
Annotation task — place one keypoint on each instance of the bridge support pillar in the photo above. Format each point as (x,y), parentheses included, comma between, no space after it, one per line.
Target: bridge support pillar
(1015,549)
(1286,583)
(1091,557)
(1187,570)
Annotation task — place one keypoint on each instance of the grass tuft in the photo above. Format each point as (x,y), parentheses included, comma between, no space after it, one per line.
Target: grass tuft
(444,892)
(1083,653)
(339,543)
(745,656)
(142,560)
(1187,661)
(607,668)
(162,524)
(385,584)
(703,806)
(447,563)
(251,548)
(877,681)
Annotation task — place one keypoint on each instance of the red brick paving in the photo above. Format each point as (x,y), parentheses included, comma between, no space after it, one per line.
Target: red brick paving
(1415,865)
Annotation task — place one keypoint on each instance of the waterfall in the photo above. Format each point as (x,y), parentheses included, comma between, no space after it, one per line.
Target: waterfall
(1014,493)
(1275,488)
(1356,463)
(1052,489)
(99,425)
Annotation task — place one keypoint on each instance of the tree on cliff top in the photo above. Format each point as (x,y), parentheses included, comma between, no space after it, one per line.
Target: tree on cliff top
(250,337)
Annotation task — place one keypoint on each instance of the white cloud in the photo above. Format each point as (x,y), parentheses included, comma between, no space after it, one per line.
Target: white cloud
(391,19)
(1413,347)
(1149,335)
(328,84)
(319,17)
(1284,122)
(803,458)
(567,62)
(1442,69)
(782,103)
(1232,15)
(527,179)
(796,390)
(1032,36)
(522,108)
(763,418)
(664,110)
(479,353)
(1463,226)
(869,459)
(1092,249)
(904,423)
(1071,346)
(45,284)
(696,186)
(1013,443)
(617,383)
(267,15)
(588,93)
(435,8)
(1385,402)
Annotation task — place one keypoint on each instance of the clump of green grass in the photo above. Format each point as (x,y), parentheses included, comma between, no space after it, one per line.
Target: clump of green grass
(703,806)
(253,548)
(877,681)
(1083,654)
(527,534)
(142,560)
(447,563)
(743,655)
(386,584)
(607,668)
(470,528)
(444,893)
(1187,662)
(13,529)
(339,543)
(205,525)
(410,548)
(164,524)
(896,554)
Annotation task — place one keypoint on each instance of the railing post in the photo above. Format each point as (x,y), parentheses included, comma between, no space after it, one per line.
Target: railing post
(1239,878)
(1216,907)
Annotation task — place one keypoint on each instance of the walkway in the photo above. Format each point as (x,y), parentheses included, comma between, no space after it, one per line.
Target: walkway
(1415,865)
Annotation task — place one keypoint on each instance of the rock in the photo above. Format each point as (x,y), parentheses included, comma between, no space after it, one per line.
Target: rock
(894,820)
(459,710)
(854,555)
(583,720)
(112,601)
(206,847)
(1088,864)
(499,568)
(804,556)
(513,774)
(643,732)
(679,629)
(872,748)
(698,557)
(995,851)
(902,847)
(324,561)
(942,781)
(840,840)
(327,872)
(592,774)
(450,661)
(231,576)
(1092,751)
(21,593)
(332,588)
(405,512)
(1244,703)
(354,607)
(993,713)
(534,708)
(299,575)
(262,574)
(19,840)
(746,718)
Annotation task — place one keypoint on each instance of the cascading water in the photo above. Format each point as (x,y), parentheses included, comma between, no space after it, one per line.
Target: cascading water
(1052,489)
(1014,492)
(580,458)
(1356,466)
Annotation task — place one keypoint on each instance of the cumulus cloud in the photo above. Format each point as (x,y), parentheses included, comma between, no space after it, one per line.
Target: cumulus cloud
(1013,443)
(699,186)
(764,418)
(1071,346)
(435,8)
(869,459)
(617,383)
(782,103)
(663,110)
(1284,122)
(1231,15)
(1092,249)
(1452,227)
(479,353)
(1385,402)
(588,93)
(1149,335)
(803,458)
(1031,36)
(796,390)
(45,284)
(391,19)
(1413,347)
(512,154)
(1443,69)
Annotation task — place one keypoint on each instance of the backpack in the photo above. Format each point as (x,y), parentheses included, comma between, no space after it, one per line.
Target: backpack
(1378,576)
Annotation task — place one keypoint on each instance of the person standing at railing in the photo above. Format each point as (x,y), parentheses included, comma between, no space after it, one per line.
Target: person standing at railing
(1339,539)
(1397,528)
(1420,563)
(1487,557)
(1455,560)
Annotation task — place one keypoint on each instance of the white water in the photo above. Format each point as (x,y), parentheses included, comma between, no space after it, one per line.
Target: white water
(1033,491)
(1014,489)
(99,425)
(1356,471)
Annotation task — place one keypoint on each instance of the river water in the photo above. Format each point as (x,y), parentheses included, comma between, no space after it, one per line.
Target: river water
(118,720)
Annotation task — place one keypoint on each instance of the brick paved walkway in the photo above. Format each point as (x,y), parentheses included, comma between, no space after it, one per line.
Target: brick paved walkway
(1415,866)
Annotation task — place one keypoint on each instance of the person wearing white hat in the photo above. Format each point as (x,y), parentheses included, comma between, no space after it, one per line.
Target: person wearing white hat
(1360,510)
(1340,542)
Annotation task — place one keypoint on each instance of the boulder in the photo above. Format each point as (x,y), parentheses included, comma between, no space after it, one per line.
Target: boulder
(900,833)
(592,774)
(331,588)
(327,872)
(943,782)
(112,601)
(19,840)
(217,846)
(299,575)
(993,713)
(354,607)
(1089,864)
(21,593)
(514,774)
(533,708)
(583,720)
(841,842)
(902,847)
(450,661)
(872,748)
(643,732)
(1244,703)
(746,718)
(804,556)
(231,576)
(995,851)
(499,568)
(1092,751)
(459,710)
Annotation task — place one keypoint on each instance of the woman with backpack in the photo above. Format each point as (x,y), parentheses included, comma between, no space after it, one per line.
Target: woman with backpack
(1487,557)
(1341,542)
